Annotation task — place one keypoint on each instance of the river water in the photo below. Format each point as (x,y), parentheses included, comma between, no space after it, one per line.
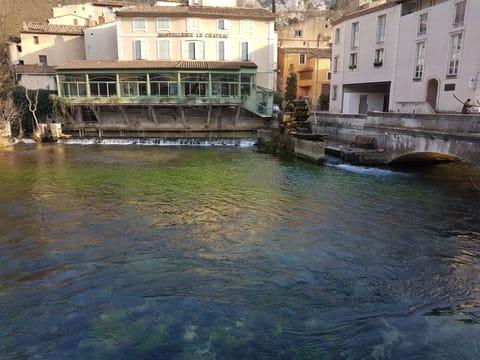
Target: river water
(114,251)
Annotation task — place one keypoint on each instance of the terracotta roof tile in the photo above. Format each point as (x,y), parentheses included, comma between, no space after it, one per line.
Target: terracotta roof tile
(152,65)
(315,52)
(112,3)
(205,11)
(46,28)
(34,69)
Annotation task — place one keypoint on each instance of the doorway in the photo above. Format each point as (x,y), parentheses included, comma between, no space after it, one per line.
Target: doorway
(363,105)
(432,91)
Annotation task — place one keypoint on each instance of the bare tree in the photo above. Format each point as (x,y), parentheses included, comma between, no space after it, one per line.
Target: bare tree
(32,107)
(9,115)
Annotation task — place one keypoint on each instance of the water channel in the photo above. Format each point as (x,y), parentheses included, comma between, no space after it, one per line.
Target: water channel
(145,251)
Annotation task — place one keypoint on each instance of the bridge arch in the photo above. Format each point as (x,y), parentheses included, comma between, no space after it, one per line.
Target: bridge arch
(424,156)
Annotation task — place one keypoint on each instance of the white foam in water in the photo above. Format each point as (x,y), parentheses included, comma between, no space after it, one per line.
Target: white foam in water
(26,141)
(161,142)
(364,170)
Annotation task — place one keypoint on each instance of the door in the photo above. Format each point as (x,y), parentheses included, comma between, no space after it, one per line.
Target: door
(432,91)
(363,105)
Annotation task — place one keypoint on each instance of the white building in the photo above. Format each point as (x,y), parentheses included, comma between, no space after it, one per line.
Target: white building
(407,56)
(438,57)
(87,13)
(101,42)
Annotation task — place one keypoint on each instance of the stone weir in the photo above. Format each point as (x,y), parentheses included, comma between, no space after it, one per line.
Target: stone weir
(310,147)
(121,119)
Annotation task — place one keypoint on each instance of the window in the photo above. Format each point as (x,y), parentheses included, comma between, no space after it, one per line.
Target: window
(163,24)
(305,75)
(459,12)
(355,35)
(381,23)
(298,33)
(419,60)
(225,85)
(329,76)
(422,24)
(353,61)
(42,60)
(245,51)
(163,84)
(334,92)
(163,49)
(247,82)
(193,24)
(246,26)
(139,49)
(335,64)
(35,40)
(302,59)
(223,25)
(337,36)
(110,9)
(102,84)
(195,50)
(455,53)
(222,50)
(194,84)
(139,24)
(132,84)
(73,85)
(379,56)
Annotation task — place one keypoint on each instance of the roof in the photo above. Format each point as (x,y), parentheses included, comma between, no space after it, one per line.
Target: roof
(46,28)
(315,52)
(152,65)
(34,69)
(357,13)
(112,3)
(305,69)
(201,11)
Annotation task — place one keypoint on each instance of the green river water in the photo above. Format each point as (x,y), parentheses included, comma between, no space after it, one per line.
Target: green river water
(143,251)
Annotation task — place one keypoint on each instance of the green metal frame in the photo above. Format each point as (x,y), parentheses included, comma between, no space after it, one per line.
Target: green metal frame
(147,85)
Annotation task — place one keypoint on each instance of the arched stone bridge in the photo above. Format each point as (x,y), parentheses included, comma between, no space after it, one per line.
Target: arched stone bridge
(404,137)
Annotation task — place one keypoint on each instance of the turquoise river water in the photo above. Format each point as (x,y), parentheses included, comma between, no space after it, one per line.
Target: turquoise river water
(214,251)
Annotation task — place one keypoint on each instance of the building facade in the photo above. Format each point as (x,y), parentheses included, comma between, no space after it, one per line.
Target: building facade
(438,64)
(407,56)
(304,45)
(199,33)
(178,67)
(312,67)
(87,13)
(42,47)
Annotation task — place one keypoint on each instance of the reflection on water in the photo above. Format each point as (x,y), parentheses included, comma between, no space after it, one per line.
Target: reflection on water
(155,252)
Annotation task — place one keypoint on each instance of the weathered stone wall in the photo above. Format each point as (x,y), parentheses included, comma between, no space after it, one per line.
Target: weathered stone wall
(172,118)
(407,135)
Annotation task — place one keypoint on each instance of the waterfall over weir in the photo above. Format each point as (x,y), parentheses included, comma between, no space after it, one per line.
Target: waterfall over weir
(247,142)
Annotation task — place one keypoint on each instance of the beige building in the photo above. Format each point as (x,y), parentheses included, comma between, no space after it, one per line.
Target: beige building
(42,47)
(309,29)
(304,42)
(50,44)
(199,33)
(312,67)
